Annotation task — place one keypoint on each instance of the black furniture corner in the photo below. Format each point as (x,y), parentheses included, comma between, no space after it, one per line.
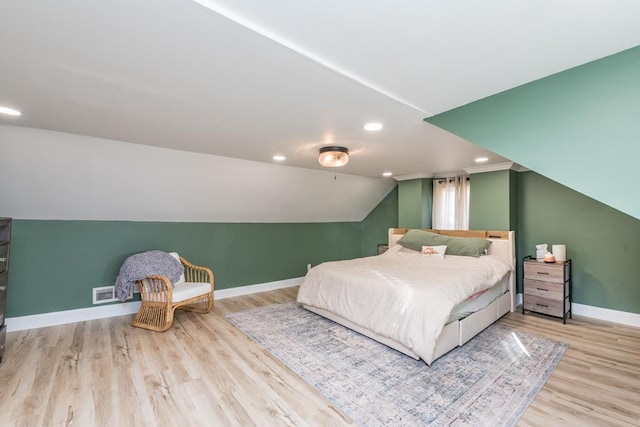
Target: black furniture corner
(5,240)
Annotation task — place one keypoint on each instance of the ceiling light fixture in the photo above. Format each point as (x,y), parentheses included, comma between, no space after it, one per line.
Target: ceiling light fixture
(333,157)
(373,126)
(9,111)
(387,174)
(481,159)
(279,157)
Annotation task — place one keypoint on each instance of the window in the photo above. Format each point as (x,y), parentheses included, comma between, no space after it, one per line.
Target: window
(451,203)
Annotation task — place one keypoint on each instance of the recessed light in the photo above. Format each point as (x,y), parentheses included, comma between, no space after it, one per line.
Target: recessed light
(373,126)
(481,159)
(387,174)
(279,157)
(9,111)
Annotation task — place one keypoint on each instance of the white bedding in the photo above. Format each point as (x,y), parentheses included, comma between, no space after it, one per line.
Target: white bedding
(400,294)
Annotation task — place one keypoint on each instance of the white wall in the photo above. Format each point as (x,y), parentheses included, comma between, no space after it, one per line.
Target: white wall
(53,175)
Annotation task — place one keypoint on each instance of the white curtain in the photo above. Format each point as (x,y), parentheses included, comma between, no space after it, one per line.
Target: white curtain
(451,203)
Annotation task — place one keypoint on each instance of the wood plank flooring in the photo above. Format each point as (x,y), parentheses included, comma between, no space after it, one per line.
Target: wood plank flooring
(205,372)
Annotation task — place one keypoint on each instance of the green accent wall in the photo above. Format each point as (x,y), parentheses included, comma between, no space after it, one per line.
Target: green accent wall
(578,127)
(376,225)
(493,201)
(414,203)
(55,264)
(603,243)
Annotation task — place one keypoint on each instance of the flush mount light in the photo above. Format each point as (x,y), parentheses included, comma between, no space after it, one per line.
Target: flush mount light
(9,111)
(373,126)
(333,157)
(279,157)
(387,174)
(481,159)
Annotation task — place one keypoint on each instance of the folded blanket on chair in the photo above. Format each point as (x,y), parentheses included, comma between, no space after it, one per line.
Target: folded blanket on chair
(145,264)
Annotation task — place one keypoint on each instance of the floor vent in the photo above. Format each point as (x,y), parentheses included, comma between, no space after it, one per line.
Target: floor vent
(105,294)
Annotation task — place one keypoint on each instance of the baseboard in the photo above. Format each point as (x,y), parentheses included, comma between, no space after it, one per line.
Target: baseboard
(254,289)
(615,316)
(599,313)
(91,313)
(70,316)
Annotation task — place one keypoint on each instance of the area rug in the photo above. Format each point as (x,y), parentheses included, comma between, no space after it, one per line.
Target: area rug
(490,381)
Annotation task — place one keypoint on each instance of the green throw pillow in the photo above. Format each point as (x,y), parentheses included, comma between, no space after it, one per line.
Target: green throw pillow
(416,239)
(467,246)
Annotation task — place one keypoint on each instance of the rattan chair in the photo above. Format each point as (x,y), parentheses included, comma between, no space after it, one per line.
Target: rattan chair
(160,298)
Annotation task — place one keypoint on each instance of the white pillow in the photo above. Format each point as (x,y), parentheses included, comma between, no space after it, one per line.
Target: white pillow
(433,251)
(176,256)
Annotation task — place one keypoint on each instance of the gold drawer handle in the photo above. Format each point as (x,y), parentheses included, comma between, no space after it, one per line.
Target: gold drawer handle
(543,272)
(543,289)
(542,305)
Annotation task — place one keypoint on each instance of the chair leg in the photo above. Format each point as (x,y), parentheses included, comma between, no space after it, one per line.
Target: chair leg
(202,304)
(158,316)
(155,317)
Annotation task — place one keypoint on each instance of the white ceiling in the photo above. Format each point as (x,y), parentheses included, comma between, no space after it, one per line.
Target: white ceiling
(250,79)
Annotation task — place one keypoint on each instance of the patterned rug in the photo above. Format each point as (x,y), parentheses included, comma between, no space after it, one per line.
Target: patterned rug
(490,381)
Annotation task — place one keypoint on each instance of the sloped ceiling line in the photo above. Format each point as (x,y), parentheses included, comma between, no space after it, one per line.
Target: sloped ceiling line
(113,70)
(98,179)
(573,127)
(241,20)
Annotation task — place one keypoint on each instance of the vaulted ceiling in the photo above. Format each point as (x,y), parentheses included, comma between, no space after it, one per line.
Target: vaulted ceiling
(250,79)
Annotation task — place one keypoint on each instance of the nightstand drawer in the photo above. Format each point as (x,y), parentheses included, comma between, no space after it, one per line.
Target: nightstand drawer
(545,289)
(3,296)
(4,256)
(543,305)
(3,339)
(546,272)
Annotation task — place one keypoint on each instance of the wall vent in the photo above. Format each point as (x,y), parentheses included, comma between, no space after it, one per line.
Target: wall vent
(104,294)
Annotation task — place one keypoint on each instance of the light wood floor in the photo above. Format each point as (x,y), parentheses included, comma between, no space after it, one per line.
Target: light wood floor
(203,371)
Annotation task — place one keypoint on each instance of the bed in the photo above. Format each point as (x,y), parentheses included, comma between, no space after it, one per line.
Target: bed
(419,304)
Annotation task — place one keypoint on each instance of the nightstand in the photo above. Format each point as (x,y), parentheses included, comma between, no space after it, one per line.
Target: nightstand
(547,287)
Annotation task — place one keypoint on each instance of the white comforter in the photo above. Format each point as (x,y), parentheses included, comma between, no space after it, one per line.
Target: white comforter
(400,294)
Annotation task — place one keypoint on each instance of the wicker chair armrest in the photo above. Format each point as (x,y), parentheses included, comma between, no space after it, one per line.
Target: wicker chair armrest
(196,273)
(156,289)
